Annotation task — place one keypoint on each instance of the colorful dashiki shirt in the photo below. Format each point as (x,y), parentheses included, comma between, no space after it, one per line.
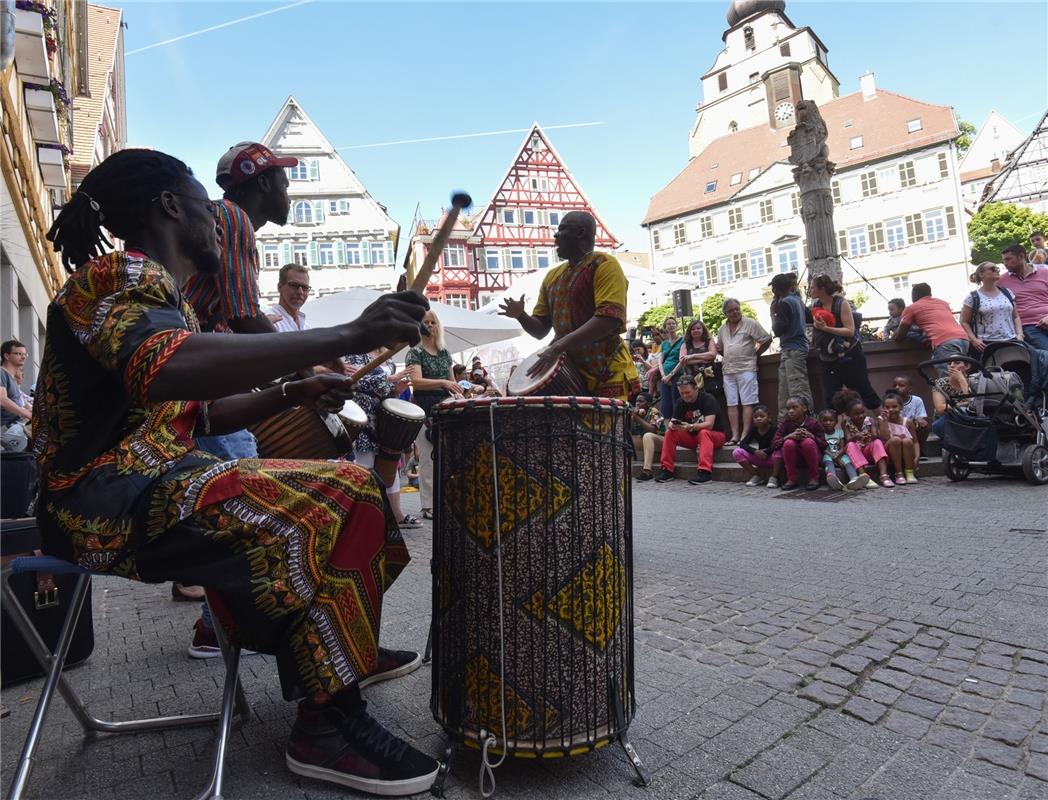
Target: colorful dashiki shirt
(296,555)
(572,295)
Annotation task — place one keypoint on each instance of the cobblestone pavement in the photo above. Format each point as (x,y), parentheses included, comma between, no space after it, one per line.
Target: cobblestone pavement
(891,645)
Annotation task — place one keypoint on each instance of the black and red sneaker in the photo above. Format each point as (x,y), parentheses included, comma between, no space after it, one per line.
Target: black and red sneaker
(392,664)
(351,748)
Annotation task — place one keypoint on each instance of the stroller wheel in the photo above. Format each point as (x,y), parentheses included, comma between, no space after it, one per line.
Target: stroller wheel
(1035,464)
(956,467)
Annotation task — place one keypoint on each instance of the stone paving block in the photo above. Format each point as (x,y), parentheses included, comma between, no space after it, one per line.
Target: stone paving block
(849,770)
(965,786)
(1035,683)
(1030,667)
(1024,697)
(931,690)
(998,753)
(825,693)
(950,738)
(1037,767)
(836,676)
(1023,716)
(993,675)
(811,657)
(908,665)
(960,718)
(866,710)
(1039,743)
(775,773)
(907,724)
(973,702)
(920,707)
(893,677)
(879,693)
(851,662)
(981,688)
(728,791)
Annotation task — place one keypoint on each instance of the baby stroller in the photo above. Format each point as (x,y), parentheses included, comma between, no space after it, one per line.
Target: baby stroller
(993,428)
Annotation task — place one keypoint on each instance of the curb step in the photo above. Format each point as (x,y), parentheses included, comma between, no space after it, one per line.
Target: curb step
(732,472)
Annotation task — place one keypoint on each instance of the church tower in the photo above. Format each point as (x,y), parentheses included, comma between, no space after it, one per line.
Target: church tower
(766,67)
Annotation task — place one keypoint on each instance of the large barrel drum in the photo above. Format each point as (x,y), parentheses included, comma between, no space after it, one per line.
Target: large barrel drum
(533,573)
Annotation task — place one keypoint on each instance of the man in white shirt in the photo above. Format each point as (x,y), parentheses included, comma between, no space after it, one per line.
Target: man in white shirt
(293,285)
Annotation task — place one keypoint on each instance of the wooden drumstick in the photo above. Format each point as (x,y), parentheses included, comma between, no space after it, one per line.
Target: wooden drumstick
(459,201)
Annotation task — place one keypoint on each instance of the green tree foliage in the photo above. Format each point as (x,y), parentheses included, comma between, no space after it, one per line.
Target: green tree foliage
(997,225)
(655,316)
(711,312)
(964,141)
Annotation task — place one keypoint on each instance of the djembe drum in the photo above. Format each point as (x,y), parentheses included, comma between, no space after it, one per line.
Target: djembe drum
(533,574)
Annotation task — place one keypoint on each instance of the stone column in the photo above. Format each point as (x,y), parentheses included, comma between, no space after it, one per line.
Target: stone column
(812,172)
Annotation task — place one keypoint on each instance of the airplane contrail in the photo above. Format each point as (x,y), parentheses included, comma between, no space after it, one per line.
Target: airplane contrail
(465,136)
(218,27)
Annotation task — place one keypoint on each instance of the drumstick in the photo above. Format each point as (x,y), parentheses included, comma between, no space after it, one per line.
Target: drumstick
(459,201)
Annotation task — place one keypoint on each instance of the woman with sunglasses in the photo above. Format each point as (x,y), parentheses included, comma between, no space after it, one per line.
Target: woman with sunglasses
(989,313)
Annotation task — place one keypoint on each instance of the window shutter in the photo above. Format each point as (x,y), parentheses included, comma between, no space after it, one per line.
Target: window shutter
(340,253)
(740,265)
(951,222)
(944,167)
(804,250)
(365,252)
(842,242)
(767,259)
(914,229)
(389,252)
(875,233)
(711,271)
(318,211)
(343,206)
(780,87)
(835,189)
(285,253)
(314,169)
(314,255)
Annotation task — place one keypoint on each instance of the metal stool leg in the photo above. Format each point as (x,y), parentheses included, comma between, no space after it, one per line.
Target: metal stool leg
(233,701)
(54,670)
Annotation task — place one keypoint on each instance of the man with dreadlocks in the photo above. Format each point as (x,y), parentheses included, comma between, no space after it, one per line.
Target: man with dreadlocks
(295,554)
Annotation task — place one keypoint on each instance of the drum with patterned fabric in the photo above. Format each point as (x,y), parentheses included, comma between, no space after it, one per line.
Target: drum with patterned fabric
(533,573)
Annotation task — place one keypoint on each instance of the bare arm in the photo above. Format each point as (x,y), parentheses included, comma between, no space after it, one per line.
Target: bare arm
(847,327)
(901,331)
(259,324)
(535,326)
(431,384)
(966,323)
(9,405)
(762,346)
(230,414)
(1018,325)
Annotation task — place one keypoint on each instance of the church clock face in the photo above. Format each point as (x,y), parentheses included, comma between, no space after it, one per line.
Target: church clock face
(784,112)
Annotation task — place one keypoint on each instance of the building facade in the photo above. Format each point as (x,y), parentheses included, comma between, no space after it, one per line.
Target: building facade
(46,79)
(100,114)
(995,140)
(731,218)
(510,236)
(335,227)
(1023,179)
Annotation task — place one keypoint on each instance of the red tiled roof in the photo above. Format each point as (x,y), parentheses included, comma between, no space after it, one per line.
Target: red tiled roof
(881,121)
(103,27)
(976,174)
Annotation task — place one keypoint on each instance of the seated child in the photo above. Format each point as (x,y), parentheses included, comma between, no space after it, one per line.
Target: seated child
(864,437)
(754,453)
(801,438)
(913,408)
(835,457)
(902,439)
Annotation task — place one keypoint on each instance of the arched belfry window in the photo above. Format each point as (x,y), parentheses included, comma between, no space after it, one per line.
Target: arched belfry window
(747,33)
(733,126)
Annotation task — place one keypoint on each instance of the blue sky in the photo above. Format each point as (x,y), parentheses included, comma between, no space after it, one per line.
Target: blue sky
(376,72)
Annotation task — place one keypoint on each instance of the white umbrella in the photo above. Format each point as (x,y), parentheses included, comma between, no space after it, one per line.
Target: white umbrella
(463,329)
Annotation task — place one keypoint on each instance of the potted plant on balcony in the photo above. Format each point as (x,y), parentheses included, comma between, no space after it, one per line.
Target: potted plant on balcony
(54,164)
(50,20)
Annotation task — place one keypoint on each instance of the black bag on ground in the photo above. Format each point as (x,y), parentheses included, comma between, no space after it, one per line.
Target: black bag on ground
(46,600)
(970,437)
(18,474)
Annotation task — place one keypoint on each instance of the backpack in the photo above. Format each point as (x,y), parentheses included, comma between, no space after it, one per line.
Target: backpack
(976,300)
(830,347)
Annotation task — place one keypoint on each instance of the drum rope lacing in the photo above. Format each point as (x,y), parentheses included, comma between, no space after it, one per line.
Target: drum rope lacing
(487,768)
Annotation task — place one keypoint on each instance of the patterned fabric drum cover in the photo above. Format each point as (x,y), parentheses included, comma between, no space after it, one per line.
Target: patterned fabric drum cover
(563,499)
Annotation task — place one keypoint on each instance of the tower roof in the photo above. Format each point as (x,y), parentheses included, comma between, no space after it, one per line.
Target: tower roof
(739,10)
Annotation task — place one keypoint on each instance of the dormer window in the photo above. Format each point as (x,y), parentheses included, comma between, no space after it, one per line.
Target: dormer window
(711,187)
(855,143)
(747,34)
(784,49)
(914,125)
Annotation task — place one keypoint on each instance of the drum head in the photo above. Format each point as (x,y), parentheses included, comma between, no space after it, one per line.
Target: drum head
(354,413)
(402,408)
(520,383)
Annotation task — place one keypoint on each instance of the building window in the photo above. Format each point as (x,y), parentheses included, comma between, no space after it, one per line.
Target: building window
(886,179)
(343,206)
(934,225)
(857,242)
(711,272)
(944,166)
(509,216)
(706,226)
(326,253)
(727,269)
(680,235)
(299,172)
(454,255)
(516,259)
(542,258)
(711,187)
(754,77)
(835,189)
(736,179)
(784,49)
(734,219)
(528,216)
(914,125)
(492,260)
(869,183)
(914,229)
(353,254)
(753,173)
(656,241)
(457,300)
(907,175)
(699,271)
(795,203)
(303,213)
(855,143)
(756,259)
(271,256)
(900,282)
(538,183)
(554,218)
(788,260)
(378,252)
(767,211)
(300,254)
(332,206)
(747,35)
(722,81)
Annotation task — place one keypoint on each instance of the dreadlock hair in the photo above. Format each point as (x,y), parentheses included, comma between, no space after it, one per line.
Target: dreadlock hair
(116,194)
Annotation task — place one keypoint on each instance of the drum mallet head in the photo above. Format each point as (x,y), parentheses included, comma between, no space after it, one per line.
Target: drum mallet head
(461,199)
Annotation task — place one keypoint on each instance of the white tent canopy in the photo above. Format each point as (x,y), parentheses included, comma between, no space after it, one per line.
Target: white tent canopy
(463,330)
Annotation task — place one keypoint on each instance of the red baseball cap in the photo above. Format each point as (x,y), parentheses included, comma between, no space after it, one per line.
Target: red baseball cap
(245,160)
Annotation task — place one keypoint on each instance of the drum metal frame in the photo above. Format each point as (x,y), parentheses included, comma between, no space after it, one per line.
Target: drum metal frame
(589,732)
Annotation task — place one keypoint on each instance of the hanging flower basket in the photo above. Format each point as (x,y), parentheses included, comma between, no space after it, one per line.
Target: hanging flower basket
(65,150)
(50,17)
(61,96)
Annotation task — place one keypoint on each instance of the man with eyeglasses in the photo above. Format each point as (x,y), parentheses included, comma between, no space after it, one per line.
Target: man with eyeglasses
(293,286)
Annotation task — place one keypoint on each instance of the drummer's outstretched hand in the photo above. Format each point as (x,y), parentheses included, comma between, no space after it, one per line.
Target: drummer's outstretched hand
(547,358)
(326,392)
(514,309)
(390,320)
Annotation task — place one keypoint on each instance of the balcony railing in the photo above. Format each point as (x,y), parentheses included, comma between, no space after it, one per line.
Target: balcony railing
(31,56)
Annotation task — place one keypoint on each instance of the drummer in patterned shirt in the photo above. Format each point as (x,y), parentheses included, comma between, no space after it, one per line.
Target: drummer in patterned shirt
(584,301)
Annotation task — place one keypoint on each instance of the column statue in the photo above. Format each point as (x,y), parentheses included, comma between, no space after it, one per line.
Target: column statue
(812,172)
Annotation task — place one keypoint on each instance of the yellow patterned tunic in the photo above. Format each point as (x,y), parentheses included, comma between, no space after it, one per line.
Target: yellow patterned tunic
(572,295)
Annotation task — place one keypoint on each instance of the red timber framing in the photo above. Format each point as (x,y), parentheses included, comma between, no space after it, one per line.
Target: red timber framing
(513,234)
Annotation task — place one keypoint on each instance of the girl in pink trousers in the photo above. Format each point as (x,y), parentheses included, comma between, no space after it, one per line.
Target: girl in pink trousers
(866,439)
